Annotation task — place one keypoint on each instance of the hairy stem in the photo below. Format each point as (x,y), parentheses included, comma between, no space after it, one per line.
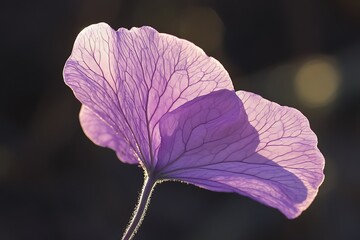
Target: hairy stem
(141,207)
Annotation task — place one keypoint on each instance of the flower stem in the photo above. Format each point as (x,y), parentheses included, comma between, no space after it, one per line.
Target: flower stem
(141,207)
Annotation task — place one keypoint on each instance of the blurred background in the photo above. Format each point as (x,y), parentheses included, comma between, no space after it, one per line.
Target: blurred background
(56,184)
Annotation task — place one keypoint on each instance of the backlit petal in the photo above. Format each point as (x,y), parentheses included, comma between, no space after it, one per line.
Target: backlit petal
(287,139)
(253,147)
(103,135)
(131,78)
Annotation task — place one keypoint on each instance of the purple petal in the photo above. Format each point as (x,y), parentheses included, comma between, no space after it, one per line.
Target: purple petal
(131,78)
(254,147)
(103,135)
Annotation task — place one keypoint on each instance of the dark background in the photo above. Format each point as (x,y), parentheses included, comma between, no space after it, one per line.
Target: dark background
(56,184)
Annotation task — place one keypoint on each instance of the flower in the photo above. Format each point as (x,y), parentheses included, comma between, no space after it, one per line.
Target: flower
(161,102)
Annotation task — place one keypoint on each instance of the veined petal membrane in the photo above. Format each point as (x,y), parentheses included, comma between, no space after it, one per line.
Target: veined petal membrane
(245,144)
(161,102)
(131,78)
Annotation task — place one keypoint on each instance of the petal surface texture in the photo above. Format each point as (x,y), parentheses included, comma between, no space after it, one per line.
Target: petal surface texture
(245,144)
(130,78)
(103,135)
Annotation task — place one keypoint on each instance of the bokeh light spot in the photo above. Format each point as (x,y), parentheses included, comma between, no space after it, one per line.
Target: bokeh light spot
(317,82)
(153,13)
(203,27)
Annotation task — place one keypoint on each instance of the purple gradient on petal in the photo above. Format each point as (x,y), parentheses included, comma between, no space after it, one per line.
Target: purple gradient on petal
(211,143)
(103,135)
(162,102)
(131,78)
(287,139)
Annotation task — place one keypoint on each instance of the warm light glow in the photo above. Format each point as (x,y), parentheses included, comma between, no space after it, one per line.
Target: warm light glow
(204,27)
(317,82)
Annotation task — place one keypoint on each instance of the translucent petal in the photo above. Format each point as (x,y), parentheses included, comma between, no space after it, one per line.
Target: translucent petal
(103,135)
(287,139)
(253,147)
(131,78)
